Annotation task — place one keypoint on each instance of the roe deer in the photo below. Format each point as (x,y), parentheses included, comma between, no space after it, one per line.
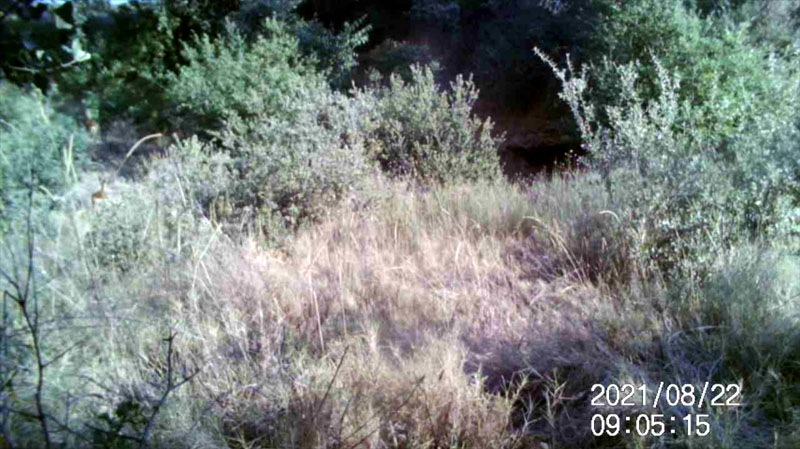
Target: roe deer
(93,127)
(100,194)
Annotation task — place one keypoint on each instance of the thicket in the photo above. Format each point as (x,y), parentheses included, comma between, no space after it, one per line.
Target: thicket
(139,46)
(471,284)
(691,121)
(39,42)
(732,80)
(295,145)
(38,146)
(335,54)
(418,130)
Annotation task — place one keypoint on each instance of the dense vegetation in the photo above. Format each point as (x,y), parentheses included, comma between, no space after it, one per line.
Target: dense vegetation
(302,236)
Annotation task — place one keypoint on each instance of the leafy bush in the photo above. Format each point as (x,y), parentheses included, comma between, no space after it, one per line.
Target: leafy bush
(431,135)
(228,77)
(35,140)
(731,83)
(691,123)
(135,47)
(142,48)
(770,22)
(205,179)
(137,44)
(696,200)
(39,40)
(279,123)
(146,224)
(335,54)
(117,239)
(290,170)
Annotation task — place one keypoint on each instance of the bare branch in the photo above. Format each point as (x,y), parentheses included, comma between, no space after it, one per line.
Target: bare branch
(170,387)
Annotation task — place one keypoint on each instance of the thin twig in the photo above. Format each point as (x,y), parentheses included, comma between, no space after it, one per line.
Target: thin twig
(330,384)
(22,291)
(145,439)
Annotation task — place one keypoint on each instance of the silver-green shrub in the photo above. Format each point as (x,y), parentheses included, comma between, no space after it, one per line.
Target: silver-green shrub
(281,126)
(731,81)
(292,168)
(419,130)
(228,76)
(151,223)
(35,141)
(696,198)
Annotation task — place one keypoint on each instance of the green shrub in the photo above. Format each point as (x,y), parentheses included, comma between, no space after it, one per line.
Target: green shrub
(205,180)
(136,44)
(748,306)
(118,237)
(431,135)
(335,53)
(287,171)
(280,124)
(39,41)
(696,201)
(35,140)
(698,113)
(295,146)
(229,77)
(731,82)
(157,220)
(770,22)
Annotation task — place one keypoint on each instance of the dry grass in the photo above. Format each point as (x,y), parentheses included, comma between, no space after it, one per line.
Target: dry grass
(466,316)
(424,286)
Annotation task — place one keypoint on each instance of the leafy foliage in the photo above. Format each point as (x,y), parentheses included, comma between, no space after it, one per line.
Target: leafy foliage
(335,53)
(776,24)
(730,82)
(38,41)
(142,47)
(228,77)
(696,200)
(117,238)
(37,141)
(689,120)
(277,119)
(419,130)
(137,44)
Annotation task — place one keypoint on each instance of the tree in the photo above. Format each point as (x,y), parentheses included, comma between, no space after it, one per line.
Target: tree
(38,41)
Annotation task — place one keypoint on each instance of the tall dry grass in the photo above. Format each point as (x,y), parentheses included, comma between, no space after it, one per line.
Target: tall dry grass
(474,315)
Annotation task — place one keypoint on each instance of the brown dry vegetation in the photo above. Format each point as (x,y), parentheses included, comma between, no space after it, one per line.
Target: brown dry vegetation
(443,303)
(474,315)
